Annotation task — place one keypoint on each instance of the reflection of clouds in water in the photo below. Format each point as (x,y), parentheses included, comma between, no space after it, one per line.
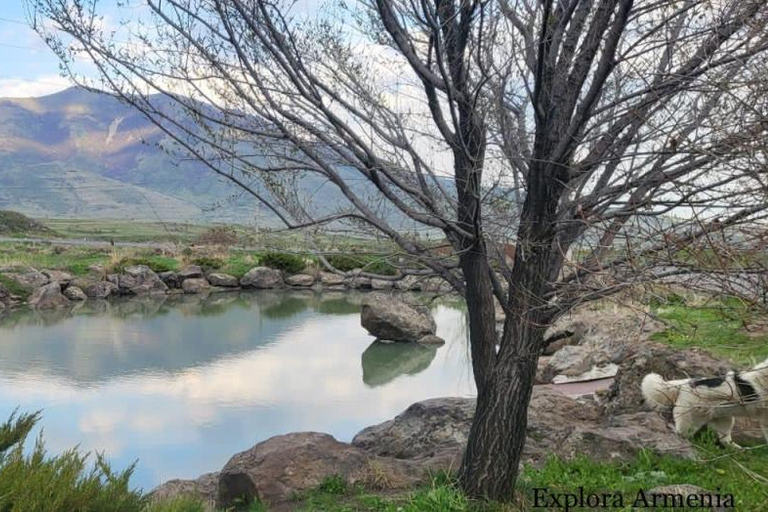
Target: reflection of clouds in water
(183,423)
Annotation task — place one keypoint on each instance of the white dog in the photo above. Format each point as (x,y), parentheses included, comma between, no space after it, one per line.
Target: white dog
(713,401)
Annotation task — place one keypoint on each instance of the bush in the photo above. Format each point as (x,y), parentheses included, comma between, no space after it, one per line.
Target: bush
(283,261)
(52,483)
(375,264)
(208,262)
(156,263)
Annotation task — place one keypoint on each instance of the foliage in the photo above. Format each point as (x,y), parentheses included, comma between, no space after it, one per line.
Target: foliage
(208,262)
(375,264)
(39,482)
(16,224)
(718,327)
(238,263)
(156,263)
(14,288)
(44,256)
(287,262)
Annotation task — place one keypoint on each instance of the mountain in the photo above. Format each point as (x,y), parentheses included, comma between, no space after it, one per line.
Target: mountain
(81,154)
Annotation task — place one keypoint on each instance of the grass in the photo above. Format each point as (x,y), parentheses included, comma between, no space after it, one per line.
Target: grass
(43,256)
(15,224)
(14,288)
(719,327)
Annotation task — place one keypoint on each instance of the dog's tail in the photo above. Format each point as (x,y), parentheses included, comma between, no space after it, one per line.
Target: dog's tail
(659,393)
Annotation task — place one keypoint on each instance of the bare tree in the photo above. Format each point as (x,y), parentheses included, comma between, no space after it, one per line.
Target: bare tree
(607,139)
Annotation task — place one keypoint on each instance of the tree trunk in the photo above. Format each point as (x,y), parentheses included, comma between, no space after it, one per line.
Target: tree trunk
(497,437)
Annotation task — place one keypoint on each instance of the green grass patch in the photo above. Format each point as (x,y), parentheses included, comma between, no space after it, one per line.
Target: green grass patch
(238,263)
(17,225)
(373,263)
(718,327)
(284,261)
(44,256)
(14,288)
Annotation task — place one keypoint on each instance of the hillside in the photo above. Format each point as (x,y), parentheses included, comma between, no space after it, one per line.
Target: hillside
(16,224)
(80,154)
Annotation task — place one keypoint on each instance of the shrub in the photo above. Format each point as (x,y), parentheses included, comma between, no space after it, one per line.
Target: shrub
(64,482)
(156,263)
(208,262)
(283,261)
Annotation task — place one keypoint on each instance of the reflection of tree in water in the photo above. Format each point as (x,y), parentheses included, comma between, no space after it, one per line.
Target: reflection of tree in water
(384,362)
(288,307)
(339,306)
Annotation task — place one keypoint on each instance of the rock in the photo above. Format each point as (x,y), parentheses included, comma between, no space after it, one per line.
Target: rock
(223,280)
(64,278)
(431,339)
(48,297)
(594,373)
(114,279)
(170,278)
(3,307)
(140,280)
(391,319)
(555,339)
(408,283)
(330,279)
(203,488)
(604,337)
(671,363)
(190,272)
(275,470)
(358,283)
(300,280)
(26,277)
(438,429)
(99,289)
(381,284)
(5,295)
(97,270)
(195,285)
(677,496)
(262,277)
(74,293)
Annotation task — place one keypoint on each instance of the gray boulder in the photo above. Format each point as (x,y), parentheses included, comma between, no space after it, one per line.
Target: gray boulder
(358,283)
(391,319)
(223,280)
(98,289)
(275,470)
(170,278)
(64,278)
(438,429)
(381,284)
(48,297)
(74,293)
(262,278)
(300,280)
(195,285)
(330,279)
(140,280)
(26,277)
(190,272)
(203,488)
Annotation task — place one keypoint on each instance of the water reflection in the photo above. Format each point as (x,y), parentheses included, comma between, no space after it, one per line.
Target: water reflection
(181,383)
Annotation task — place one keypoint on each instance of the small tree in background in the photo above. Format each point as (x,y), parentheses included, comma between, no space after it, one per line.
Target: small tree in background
(609,140)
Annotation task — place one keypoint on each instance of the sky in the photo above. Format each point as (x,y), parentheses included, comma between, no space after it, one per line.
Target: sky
(27,67)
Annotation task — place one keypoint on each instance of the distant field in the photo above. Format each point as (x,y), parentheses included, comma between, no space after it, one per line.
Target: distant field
(126,230)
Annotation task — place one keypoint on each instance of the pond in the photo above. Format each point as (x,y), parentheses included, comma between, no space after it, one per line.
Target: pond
(182,383)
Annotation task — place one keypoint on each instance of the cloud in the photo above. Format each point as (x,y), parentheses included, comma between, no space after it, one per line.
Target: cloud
(32,88)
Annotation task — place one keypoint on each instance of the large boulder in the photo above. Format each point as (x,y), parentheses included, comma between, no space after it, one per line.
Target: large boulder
(275,470)
(63,277)
(262,278)
(48,297)
(140,280)
(223,280)
(26,277)
(170,278)
(96,289)
(437,429)
(195,285)
(190,272)
(671,363)
(74,293)
(391,319)
(381,284)
(330,279)
(300,280)
(203,489)
(590,343)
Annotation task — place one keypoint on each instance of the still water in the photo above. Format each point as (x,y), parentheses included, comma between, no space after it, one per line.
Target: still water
(182,383)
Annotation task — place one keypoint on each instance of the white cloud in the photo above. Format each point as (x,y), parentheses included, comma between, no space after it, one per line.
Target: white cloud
(24,88)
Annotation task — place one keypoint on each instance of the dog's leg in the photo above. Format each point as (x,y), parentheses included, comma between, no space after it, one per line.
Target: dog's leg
(687,420)
(723,426)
